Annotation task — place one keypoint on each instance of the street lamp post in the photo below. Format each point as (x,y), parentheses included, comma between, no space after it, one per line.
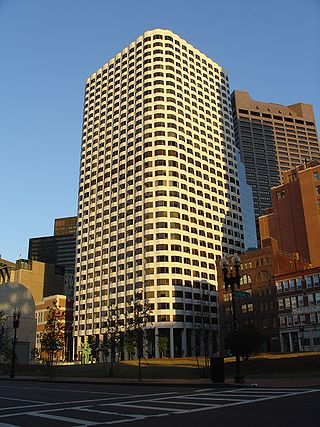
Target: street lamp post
(16,320)
(230,282)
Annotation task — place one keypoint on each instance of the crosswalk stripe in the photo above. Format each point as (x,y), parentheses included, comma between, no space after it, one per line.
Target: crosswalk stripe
(155,404)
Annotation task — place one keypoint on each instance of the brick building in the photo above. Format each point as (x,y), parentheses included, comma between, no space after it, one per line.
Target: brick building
(298,299)
(294,219)
(259,310)
(66,308)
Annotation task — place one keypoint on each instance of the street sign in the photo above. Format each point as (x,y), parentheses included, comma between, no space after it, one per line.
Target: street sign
(241,294)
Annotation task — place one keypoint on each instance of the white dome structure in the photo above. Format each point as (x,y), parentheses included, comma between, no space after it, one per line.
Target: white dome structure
(15,296)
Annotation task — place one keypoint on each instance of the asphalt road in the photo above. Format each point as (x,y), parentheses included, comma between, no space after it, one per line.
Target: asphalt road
(33,404)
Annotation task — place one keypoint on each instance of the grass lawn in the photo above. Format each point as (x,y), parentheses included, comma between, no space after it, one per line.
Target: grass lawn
(268,365)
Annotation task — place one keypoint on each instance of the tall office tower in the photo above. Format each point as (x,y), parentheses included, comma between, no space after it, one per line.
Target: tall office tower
(159,193)
(59,249)
(272,138)
(249,224)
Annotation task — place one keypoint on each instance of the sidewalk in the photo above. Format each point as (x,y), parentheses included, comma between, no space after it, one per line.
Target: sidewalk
(201,382)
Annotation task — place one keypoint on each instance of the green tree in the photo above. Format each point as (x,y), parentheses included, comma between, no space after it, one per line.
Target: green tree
(5,342)
(86,352)
(129,344)
(53,336)
(112,338)
(138,316)
(163,346)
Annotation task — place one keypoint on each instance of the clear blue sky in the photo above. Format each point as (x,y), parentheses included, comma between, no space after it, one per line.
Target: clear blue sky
(270,48)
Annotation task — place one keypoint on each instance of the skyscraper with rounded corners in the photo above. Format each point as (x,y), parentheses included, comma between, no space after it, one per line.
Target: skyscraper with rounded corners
(158,194)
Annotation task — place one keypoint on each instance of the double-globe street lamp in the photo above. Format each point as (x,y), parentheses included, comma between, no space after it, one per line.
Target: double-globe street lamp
(16,320)
(230,281)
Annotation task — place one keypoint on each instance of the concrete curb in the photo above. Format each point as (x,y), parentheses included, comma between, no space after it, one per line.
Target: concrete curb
(254,383)
(151,383)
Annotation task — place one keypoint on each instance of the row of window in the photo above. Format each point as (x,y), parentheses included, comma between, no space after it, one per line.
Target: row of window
(173,236)
(94,220)
(136,76)
(130,88)
(177,226)
(160,318)
(119,176)
(103,111)
(299,301)
(299,319)
(276,117)
(101,108)
(126,147)
(165,203)
(149,271)
(110,112)
(151,260)
(175,282)
(112,124)
(134,48)
(298,283)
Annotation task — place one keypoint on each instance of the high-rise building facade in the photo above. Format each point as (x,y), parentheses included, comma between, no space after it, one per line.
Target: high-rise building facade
(59,249)
(272,138)
(247,208)
(159,193)
(294,219)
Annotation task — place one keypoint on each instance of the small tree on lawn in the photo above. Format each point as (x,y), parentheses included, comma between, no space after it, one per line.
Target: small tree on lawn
(53,336)
(129,344)
(5,342)
(112,340)
(138,315)
(163,346)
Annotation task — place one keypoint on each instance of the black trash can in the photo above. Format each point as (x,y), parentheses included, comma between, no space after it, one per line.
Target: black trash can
(217,369)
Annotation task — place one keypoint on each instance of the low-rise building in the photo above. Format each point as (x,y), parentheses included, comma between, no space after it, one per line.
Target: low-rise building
(65,305)
(41,279)
(257,307)
(15,297)
(298,300)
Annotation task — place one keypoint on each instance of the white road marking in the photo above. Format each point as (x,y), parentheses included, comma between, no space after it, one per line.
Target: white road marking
(230,395)
(77,401)
(157,408)
(254,390)
(22,400)
(95,411)
(83,423)
(272,397)
(235,396)
(65,390)
(212,398)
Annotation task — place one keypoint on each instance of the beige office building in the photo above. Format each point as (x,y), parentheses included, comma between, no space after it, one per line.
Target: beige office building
(272,138)
(159,192)
(40,279)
